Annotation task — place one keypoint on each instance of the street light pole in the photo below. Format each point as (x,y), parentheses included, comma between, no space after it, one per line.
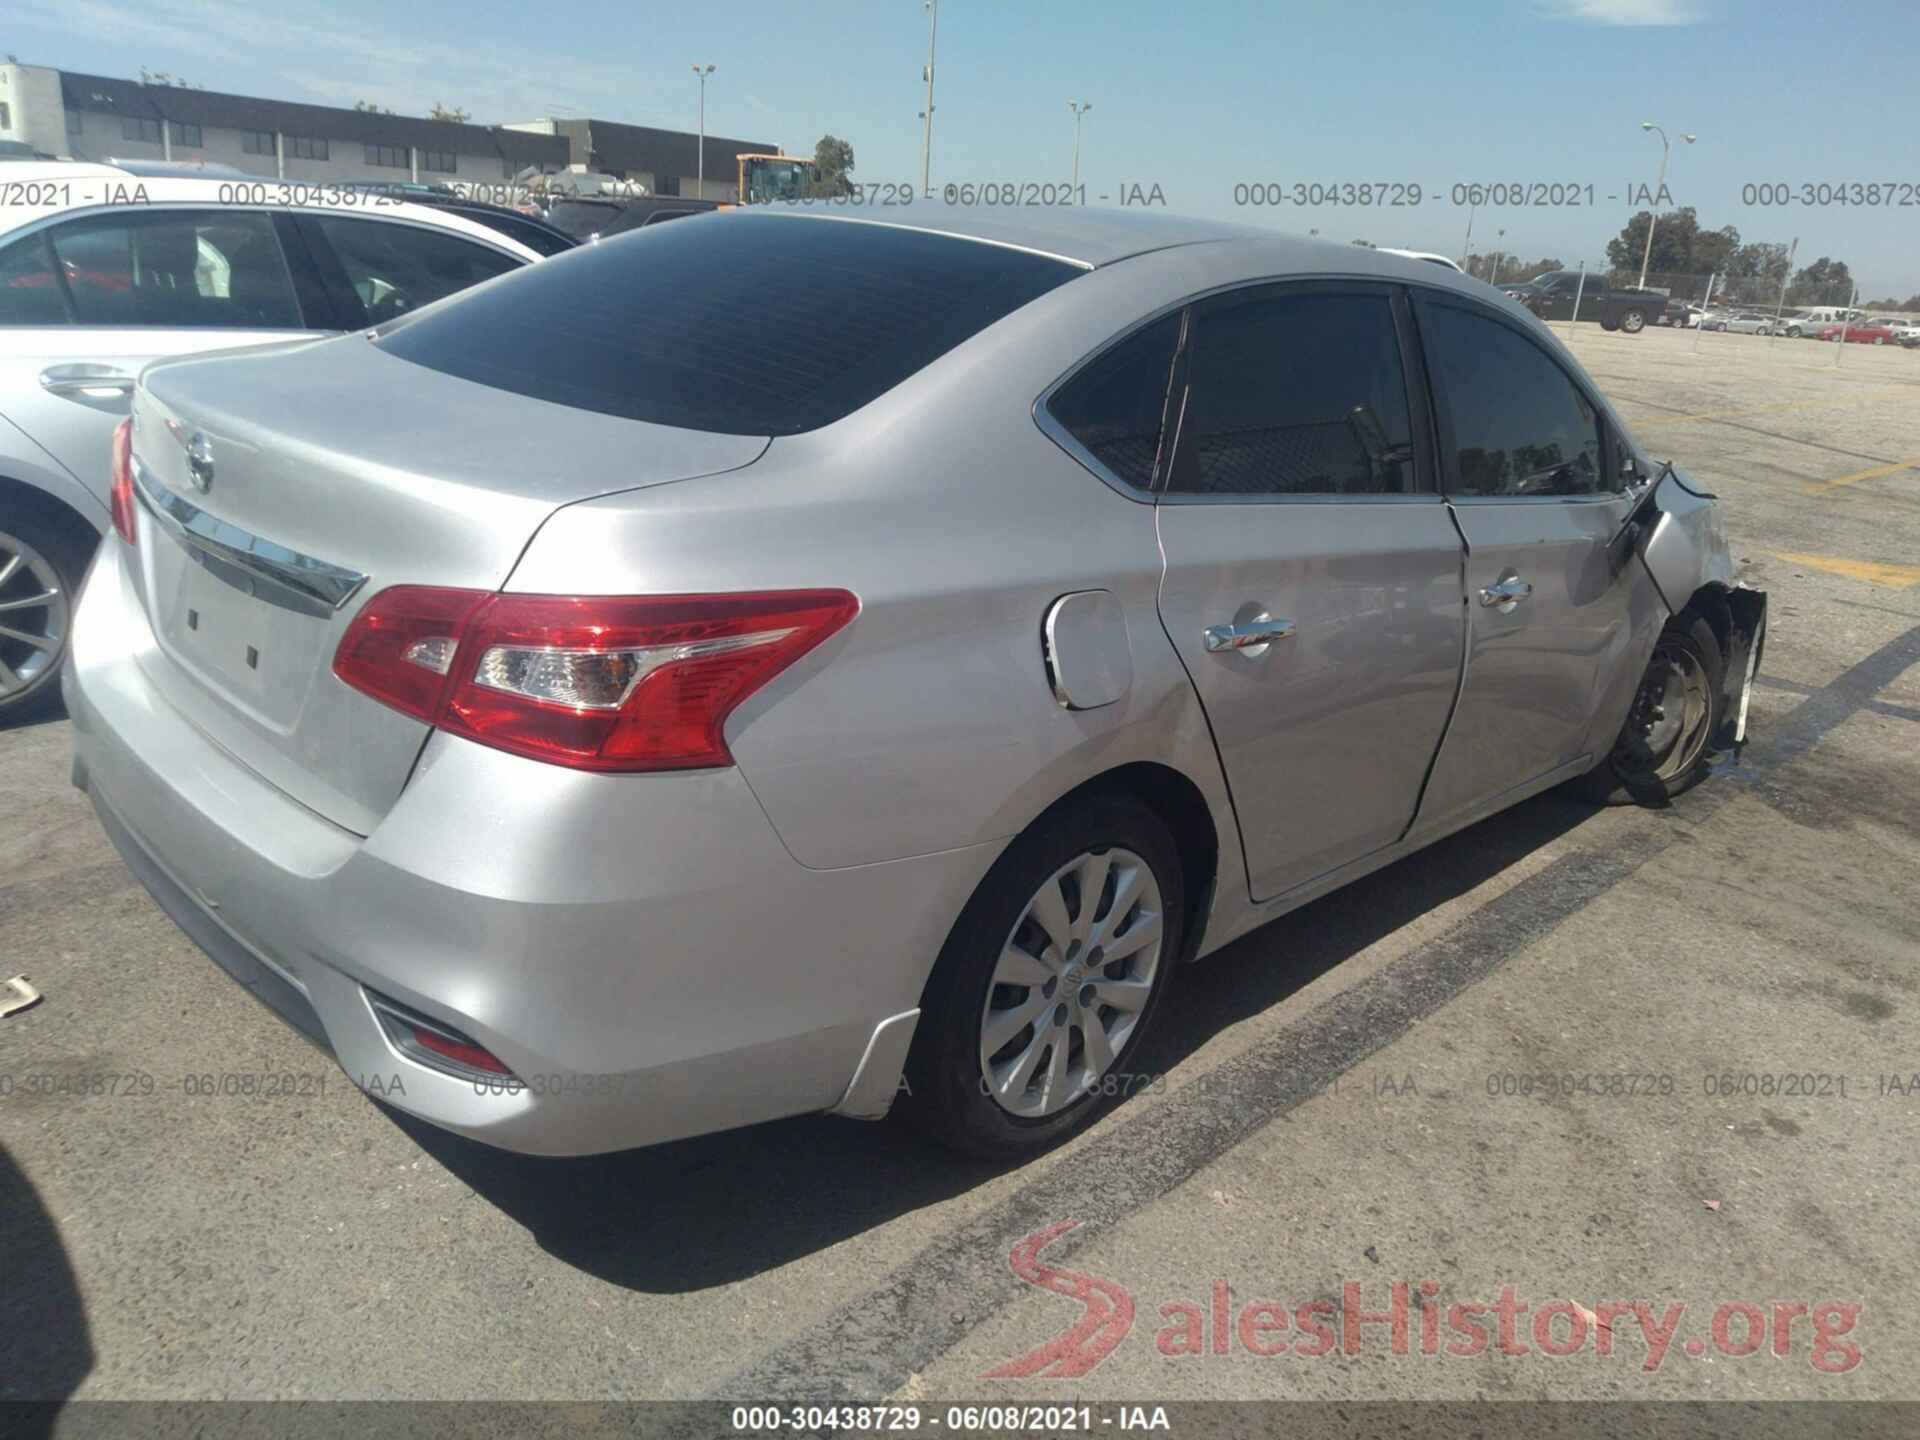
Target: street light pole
(1666,153)
(1498,256)
(926,139)
(1467,249)
(700,184)
(1079,108)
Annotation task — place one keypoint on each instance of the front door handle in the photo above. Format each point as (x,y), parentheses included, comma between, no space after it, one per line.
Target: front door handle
(1249,638)
(1505,593)
(85,378)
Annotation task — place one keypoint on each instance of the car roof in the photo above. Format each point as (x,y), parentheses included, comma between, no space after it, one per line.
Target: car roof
(1093,237)
(88,191)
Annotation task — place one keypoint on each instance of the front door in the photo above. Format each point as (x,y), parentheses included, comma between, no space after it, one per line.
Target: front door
(1551,605)
(1312,584)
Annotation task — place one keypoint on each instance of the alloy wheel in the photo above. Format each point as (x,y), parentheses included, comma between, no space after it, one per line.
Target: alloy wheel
(1072,981)
(33,618)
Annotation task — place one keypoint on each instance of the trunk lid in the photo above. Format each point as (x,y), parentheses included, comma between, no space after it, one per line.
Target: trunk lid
(281,491)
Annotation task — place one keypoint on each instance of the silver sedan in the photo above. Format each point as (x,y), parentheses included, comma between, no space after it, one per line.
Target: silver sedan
(783,662)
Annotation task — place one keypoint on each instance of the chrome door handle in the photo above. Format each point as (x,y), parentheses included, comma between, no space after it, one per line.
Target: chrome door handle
(1506,593)
(1250,638)
(85,379)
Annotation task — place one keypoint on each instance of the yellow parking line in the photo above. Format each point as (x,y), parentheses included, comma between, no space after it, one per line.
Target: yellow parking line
(1822,487)
(1720,414)
(1897,577)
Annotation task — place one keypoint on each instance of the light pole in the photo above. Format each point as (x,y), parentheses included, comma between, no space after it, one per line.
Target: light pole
(1666,153)
(1499,255)
(1466,250)
(1079,108)
(700,184)
(926,140)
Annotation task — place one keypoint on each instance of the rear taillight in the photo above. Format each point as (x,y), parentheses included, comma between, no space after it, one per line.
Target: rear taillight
(597,682)
(120,497)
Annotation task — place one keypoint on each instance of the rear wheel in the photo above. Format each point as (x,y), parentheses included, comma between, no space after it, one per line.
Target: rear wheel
(40,570)
(1634,321)
(1051,977)
(1662,749)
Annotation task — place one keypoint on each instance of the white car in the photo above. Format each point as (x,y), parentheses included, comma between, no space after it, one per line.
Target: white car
(104,268)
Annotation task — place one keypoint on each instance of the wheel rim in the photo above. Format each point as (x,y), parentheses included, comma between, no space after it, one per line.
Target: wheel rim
(33,617)
(1632,322)
(1072,981)
(1667,727)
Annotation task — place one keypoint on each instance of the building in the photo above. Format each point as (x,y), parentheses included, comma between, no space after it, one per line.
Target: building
(94,117)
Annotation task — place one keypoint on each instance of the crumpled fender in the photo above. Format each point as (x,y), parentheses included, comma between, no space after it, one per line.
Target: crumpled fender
(1682,542)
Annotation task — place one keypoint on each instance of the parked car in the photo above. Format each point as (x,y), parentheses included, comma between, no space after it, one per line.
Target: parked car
(530,230)
(850,710)
(1861,332)
(1553,296)
(581,216)
(1427,255)
(1809,323)
(105,270)
(1681,314)
(655,210)
(1905,328)
(1743,322)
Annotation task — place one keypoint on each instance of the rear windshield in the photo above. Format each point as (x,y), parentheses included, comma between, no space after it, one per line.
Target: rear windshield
(742,324)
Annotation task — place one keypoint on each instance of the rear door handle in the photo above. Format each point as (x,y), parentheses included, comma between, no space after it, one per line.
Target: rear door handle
(1505,593)
(85,378)
(1250,637)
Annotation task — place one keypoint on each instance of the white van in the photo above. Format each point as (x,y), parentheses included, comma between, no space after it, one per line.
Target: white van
(1811,322)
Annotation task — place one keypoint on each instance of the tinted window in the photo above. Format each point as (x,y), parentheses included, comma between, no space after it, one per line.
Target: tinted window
(1116,405)
(1520,426)
(392,269)
(745,324)
(177,270)
(29,288)
(1295,393)
(580,218)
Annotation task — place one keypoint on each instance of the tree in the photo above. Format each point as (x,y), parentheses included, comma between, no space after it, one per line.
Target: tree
(450,113)
(1680,246)
(1825,282)
(367,107)
(834,157)
(166,78)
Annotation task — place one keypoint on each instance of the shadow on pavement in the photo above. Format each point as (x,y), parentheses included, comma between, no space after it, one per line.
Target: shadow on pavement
(710,1211)
(45,1351)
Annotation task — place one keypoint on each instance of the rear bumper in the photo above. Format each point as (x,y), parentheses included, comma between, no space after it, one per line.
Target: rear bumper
(641,950)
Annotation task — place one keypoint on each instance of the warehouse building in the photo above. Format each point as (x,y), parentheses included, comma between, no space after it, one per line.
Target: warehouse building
(71,115)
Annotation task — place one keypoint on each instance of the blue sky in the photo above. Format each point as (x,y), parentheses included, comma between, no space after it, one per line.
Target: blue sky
(1195,99)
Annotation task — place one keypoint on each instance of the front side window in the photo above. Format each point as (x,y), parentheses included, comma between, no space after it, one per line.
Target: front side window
(1520,425)
(1116,405)
(393,269)
(1295,392)
(177,270)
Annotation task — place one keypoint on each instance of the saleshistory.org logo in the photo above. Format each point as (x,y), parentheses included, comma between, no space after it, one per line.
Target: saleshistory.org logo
(1413,1315)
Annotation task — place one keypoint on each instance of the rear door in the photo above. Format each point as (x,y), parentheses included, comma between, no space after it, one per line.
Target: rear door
(1550,586)
(90,300)
(1312,583)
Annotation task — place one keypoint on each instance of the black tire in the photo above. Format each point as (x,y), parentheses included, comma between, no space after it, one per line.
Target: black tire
(66,545)
(946,1095)
(1633,775)
(1609,324)
(1633,321)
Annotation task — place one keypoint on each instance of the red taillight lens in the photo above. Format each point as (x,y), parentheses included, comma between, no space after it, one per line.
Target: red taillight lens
(595,682)
(120,497)
(470,1055)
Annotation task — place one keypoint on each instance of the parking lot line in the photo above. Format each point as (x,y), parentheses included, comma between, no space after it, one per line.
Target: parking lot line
(1897,577)
(1822,487)
(1719,414)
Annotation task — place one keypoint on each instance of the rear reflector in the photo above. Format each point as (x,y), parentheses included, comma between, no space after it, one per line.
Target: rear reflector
(120,496)
(437,1046)
(595,682)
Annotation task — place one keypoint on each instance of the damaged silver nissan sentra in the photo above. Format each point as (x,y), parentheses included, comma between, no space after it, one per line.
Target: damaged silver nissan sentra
(785,662)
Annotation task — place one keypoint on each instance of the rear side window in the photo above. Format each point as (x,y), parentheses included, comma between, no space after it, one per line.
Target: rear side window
(177,270)
(1295,393)
(1116,405)
(742,324)
(29,289)
(393,268)
(1520,425)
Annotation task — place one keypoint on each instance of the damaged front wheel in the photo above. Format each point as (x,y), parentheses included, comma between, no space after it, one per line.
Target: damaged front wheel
(1663,747)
